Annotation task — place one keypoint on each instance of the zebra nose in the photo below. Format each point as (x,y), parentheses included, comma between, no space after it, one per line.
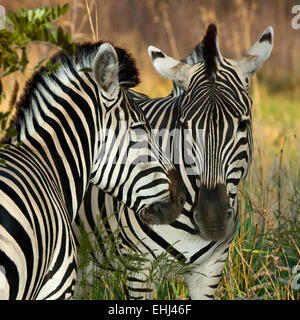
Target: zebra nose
(182,199)
(212,212)
(229,213)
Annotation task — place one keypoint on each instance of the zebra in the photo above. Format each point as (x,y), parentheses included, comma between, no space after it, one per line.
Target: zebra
(62,147)
(210,99)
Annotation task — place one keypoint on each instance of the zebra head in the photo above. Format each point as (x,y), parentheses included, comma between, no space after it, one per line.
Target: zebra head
(216,112)
(129,165)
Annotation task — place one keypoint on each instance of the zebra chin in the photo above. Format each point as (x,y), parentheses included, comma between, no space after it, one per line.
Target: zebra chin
(213,214)
(166,211)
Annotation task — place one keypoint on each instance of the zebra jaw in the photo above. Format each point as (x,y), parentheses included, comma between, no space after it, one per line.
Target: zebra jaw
(155,214)
(167,210)
(147,216)
(163,212)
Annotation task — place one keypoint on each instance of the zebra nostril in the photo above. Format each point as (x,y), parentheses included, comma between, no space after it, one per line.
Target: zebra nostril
(229,213)
(182,200)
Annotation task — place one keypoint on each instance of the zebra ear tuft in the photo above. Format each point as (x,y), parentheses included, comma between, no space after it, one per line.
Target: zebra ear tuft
(105,68)
(170,68)
(257,54)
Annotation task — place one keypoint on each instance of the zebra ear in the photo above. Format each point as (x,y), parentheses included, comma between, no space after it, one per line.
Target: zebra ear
(105,68)
(170,68)
(257,54)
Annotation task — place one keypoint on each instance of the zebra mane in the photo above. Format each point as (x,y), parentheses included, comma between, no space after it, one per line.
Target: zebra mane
(128,74)
(192,58)
(210,51)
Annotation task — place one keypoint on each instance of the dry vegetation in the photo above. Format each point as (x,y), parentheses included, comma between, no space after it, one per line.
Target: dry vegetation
(267,245)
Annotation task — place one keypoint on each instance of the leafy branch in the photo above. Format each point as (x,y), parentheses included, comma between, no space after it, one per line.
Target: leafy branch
(23,28)
(27,26)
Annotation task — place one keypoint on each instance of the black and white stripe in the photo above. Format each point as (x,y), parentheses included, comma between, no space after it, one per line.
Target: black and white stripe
(60,121)
(210,98)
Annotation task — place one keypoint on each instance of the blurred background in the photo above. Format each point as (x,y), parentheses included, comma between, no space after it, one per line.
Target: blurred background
(272,189)
(177,26)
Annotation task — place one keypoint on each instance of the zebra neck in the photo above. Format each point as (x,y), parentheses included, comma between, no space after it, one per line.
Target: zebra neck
(171,135)
(163,115)
(59,128)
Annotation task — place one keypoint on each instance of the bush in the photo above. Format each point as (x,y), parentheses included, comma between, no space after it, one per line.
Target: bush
(23,28)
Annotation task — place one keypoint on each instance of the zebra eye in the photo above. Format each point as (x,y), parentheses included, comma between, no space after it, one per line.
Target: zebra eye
(243,124)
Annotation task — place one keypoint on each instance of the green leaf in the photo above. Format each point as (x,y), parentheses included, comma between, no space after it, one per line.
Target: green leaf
(3,123)
(11,132)
(51,67)
(64,9)
(37,65)
(254,251)
(24,60)
(60,36)
(24,27)
(4,114)
(12,18)
(31,15)
(19,144)
(5,145)
(85,70)
(49,25)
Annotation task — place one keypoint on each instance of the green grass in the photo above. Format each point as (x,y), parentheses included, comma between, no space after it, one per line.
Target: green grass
(261,261)
(109,281)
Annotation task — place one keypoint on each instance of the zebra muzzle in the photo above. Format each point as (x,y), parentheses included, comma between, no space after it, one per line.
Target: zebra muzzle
(213,214)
